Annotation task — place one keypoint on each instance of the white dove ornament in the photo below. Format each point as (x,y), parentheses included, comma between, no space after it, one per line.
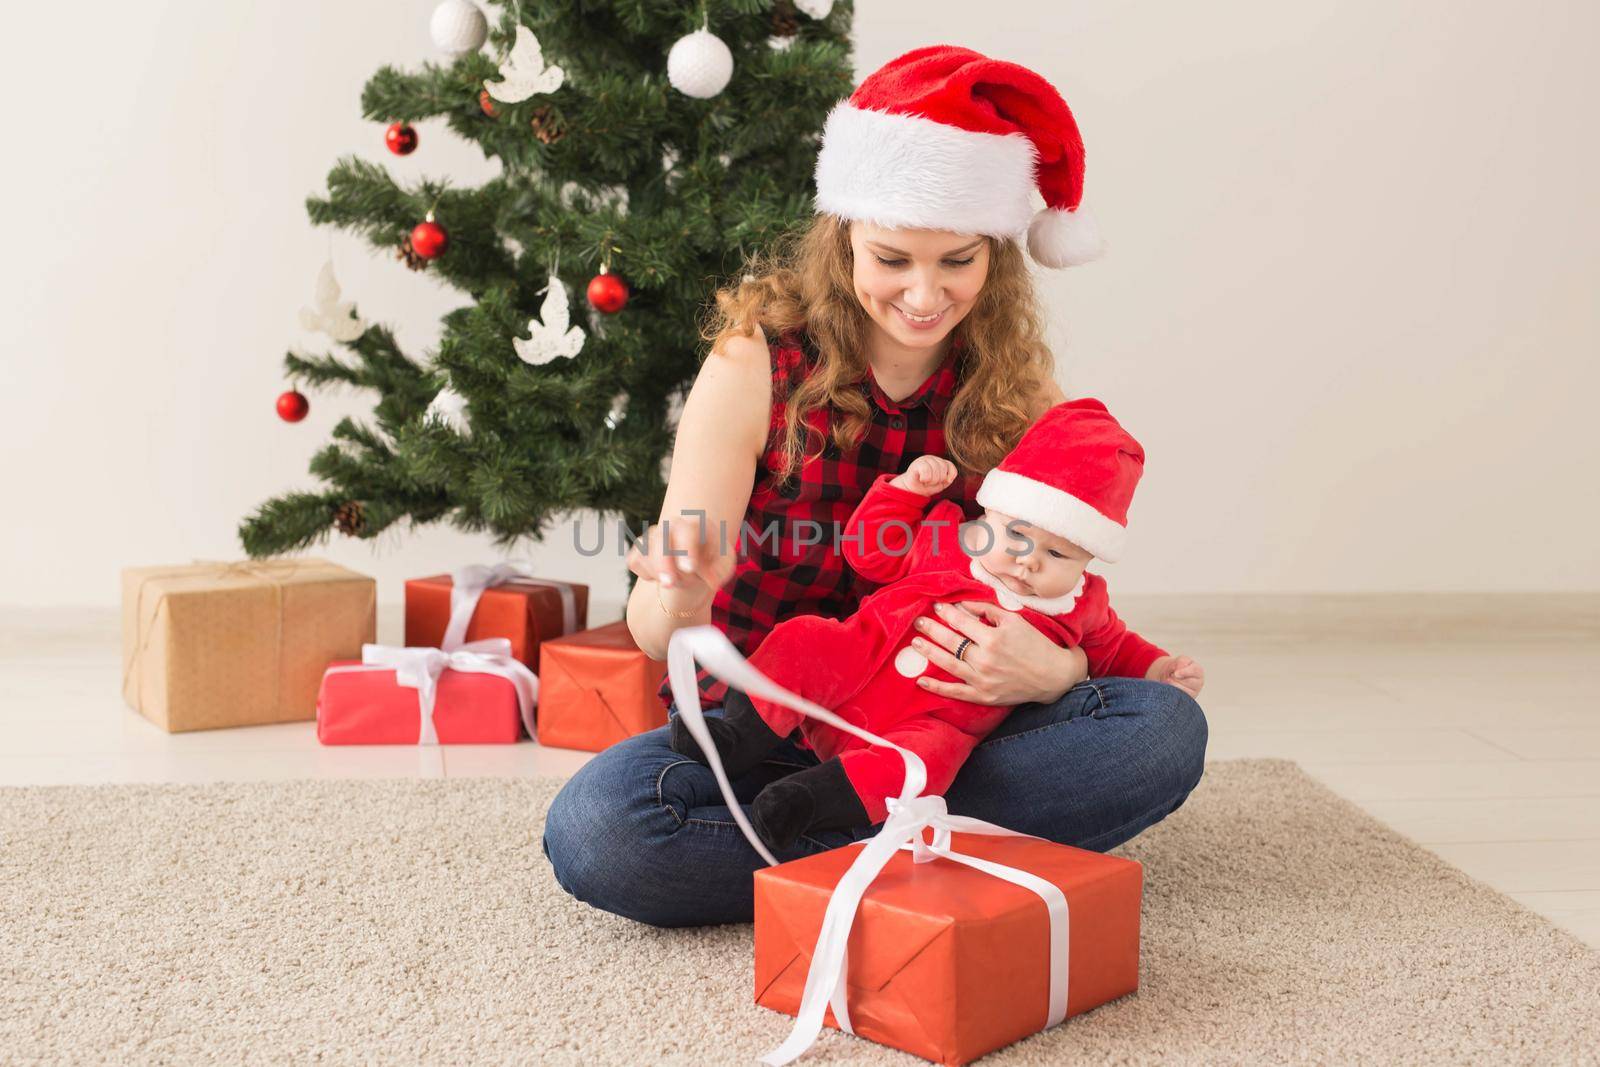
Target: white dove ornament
(450,408)
(524,73)
(327,314)
(555,337)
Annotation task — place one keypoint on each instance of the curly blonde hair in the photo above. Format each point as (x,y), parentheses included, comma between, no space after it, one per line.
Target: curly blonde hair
(806,281)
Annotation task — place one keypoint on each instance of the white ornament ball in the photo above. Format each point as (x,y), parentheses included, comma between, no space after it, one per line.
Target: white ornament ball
(817,9)
(458,26)
(700,65)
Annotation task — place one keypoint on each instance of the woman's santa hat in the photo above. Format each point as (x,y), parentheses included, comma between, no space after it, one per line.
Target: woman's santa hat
(1073,474)
(944,138)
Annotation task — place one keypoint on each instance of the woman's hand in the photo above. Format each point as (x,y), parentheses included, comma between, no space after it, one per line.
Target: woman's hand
(1008,661)
(678,554)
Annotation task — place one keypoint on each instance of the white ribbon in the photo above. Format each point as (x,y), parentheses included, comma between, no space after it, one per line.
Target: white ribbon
(909,815)
(468,583)
(419,668)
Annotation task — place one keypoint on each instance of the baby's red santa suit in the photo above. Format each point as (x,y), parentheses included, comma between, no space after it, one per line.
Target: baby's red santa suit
(1073,474)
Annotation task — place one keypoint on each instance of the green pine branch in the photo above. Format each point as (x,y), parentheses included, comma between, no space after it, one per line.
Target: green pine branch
(538,442)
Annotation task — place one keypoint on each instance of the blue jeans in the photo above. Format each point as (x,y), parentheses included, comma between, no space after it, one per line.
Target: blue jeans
(645,833)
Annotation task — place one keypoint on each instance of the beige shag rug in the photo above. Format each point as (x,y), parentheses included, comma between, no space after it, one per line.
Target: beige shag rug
(417,922)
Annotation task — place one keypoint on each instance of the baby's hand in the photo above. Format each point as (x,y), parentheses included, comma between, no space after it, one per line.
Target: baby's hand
(926,475)
(1180,671)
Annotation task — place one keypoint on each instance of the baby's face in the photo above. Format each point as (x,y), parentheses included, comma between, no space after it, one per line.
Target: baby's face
(1026,559)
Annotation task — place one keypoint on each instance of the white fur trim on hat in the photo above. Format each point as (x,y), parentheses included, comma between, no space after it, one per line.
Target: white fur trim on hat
(1064,238)
(1051,509)
(912,172)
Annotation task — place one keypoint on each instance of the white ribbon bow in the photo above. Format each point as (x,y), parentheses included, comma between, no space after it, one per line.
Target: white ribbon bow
(909,815)
(419,668)
(468,583)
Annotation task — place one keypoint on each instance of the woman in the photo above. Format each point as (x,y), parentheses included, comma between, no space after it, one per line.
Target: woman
(901,322)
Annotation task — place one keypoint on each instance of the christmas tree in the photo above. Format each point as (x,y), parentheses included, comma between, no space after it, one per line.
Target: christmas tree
(647,148)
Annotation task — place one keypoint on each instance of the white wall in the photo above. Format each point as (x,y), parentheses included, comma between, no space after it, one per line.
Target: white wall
(1349,308)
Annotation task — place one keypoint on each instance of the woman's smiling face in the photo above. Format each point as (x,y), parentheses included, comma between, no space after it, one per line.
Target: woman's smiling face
(905,275)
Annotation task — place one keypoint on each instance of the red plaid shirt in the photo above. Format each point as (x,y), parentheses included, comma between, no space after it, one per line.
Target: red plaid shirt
(787,560)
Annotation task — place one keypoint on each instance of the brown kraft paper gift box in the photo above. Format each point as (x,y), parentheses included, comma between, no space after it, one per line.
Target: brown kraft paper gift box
(207,645)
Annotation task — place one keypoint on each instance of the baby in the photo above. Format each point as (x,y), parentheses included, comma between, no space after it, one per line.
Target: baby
(1063,494)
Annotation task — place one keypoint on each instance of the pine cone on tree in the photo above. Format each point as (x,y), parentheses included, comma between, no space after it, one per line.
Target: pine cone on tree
(409,255)
(785,21)
(546,126)
(350,518)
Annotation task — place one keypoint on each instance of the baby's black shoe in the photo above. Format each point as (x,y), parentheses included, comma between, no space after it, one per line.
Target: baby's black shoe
(817,798)
(741,735)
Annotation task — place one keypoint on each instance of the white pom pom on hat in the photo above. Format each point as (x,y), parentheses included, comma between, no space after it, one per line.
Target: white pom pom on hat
(1064,238)
(945,138)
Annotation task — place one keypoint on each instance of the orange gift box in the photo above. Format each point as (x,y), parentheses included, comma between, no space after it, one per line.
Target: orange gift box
(947,962)
(525,613)
(597,688)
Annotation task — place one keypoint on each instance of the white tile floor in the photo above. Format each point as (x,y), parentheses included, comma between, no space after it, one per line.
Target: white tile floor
(1488,753)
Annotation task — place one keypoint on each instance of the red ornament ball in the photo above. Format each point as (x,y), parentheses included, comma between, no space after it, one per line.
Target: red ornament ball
(429,239)
(608,293)
(292,406)
(401,139)
(486,103)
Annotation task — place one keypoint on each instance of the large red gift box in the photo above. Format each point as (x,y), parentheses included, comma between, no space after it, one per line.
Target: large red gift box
(948,962)
(597,688)
(521,610)
(367,706)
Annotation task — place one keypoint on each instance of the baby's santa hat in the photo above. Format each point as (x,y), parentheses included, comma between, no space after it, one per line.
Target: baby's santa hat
(1073,473)
(944,138)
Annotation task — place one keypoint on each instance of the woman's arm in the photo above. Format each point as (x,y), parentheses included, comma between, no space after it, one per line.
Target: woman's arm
(721,433)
